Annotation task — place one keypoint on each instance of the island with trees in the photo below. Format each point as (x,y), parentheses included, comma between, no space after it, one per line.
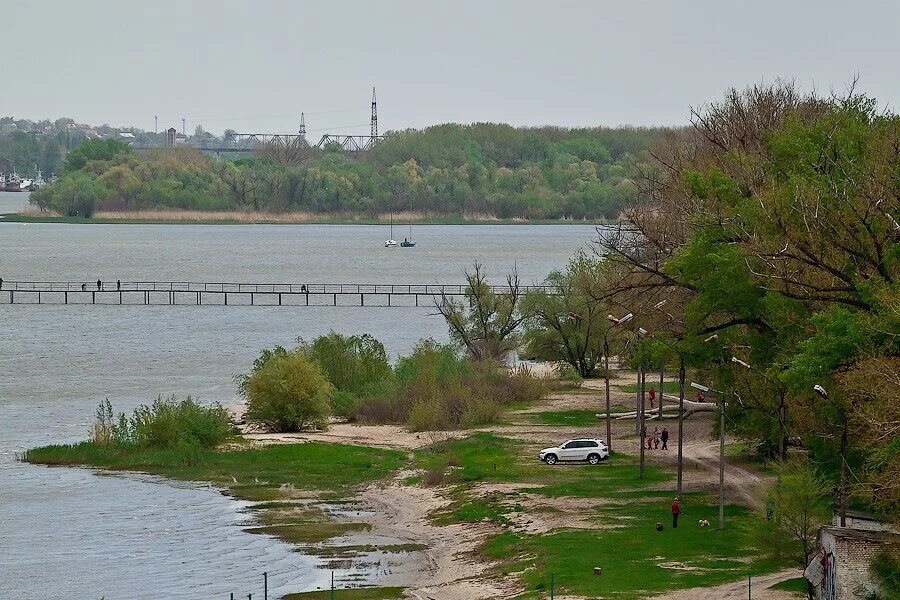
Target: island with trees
(483,171)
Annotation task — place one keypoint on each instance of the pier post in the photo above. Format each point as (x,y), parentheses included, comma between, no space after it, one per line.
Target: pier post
(39,296)
(279,298)
(335,299)
(307,298)
(226,298)
(417,300)
(120,297)
(389,298)
(199,299)
(11,298)
(93,297)
(251,298)
(66,297)
(362,300)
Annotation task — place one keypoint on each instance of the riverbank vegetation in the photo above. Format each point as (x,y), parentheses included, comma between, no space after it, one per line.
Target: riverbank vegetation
(349,377)
(479,171)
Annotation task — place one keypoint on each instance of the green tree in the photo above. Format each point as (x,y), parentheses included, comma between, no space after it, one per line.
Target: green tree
(566,323)
(288,392)
(90,150)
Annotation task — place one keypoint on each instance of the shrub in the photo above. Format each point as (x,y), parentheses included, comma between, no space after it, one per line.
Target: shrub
(351,363)
(288,392)
(166,424)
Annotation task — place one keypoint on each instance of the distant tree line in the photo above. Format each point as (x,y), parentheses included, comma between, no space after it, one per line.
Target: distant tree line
(484,169)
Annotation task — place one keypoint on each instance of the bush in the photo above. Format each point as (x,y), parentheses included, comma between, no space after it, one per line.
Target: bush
(287,392)
(437,389)
(166,424)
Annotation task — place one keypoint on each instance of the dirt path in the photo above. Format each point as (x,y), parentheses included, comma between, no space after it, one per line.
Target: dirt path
(738,590)
(450,572)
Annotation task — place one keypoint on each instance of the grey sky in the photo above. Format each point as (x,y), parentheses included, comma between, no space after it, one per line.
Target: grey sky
(255,65)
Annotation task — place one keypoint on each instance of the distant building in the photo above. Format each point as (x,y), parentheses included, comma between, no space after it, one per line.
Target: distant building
(126,137)
(171,137)
(842,568)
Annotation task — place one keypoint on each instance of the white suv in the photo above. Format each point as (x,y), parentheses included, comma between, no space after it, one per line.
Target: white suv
(590,450)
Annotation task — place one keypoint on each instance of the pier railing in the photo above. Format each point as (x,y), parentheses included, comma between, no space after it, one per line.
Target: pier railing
(151,293)
(435,289)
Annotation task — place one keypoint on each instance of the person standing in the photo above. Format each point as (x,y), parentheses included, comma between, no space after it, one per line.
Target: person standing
(652,395)
(118,285)
(99,285)
(656,438)
(665,438)
(676,511)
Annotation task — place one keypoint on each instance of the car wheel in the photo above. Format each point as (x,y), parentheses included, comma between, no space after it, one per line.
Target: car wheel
(550,459)
(594,459)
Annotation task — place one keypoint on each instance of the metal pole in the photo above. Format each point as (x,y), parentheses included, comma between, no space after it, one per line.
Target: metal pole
(637,401)
(552,586)
(642,427)
(749,586)
(606,381)
(332,586)
(843,499)
(662,373)
(722,463)
(680,422)
(265,585)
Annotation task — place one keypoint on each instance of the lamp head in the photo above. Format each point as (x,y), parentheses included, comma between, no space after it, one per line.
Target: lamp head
(660,304)
(697,386)
(711,338)
(820,391)
(736,360)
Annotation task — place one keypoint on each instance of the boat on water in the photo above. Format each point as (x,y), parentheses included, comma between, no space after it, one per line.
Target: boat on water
(408,242)
(391,242)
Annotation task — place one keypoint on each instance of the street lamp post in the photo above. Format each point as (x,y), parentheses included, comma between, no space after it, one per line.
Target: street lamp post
(721,396)
(842,491)
(640,333)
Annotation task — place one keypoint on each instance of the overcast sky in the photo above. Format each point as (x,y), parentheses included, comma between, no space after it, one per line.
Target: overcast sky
(256,64)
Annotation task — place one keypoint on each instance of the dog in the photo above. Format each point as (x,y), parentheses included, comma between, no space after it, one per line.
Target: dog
(659,526)
(704,523)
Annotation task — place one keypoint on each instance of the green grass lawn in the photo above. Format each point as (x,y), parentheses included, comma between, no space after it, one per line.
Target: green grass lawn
(797,585)
(636,559)
(259,471)
(569,418)
(384,593)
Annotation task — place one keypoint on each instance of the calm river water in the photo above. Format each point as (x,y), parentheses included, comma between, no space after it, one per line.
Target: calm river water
(76,533)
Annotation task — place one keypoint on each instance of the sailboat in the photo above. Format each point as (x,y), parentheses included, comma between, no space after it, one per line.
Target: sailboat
(391,242)
(408,242)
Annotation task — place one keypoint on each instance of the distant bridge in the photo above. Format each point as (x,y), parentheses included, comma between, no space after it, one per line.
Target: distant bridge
(172,293)
(246,143)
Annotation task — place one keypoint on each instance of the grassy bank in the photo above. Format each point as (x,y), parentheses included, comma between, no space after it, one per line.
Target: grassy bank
(240,218)
(618,532)
(252,473)
(300,480)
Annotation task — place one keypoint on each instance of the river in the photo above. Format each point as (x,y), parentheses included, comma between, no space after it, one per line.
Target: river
(78,533)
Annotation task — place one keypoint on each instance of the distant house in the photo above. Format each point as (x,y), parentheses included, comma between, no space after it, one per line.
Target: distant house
(171,137)
(842,568)
(126,137)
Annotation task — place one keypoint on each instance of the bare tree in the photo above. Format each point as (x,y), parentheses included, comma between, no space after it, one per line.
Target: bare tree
(485,324)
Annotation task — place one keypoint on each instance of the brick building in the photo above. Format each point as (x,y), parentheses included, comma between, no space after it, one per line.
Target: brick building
(842,569)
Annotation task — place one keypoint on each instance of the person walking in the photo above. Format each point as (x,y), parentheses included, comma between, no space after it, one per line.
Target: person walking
(676,511)
(83,287)
(652,395)
(118,285)
(656,438)
(665,438)
(99,285)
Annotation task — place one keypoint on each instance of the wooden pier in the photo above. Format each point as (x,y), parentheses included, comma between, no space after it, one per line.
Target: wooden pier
(179,293)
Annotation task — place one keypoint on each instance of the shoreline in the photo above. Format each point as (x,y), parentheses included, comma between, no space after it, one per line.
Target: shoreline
(228,218)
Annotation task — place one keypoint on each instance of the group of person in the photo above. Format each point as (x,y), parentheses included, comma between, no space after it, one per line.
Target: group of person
(655,437)
(100,286)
